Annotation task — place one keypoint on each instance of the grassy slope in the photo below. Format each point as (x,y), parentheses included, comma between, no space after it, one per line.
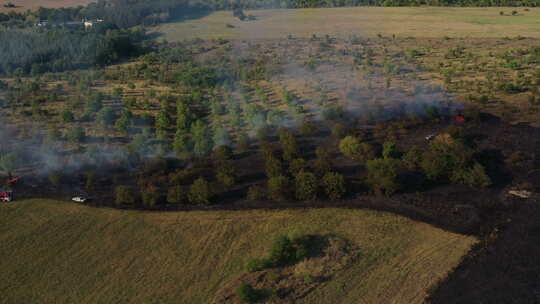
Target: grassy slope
(23,5)
(54,252)
(364,21)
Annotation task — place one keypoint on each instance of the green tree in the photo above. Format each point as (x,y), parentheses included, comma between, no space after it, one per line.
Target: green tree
(278,187)
(200,192)
(183,116)
(176,195)
(306,186)
(122,124)
(76,134)
(67,115)
(382,175)
(352,147)
(323,161)
(334,185)
(390,150)
(124,195)
(201,139)
(150,196)
(256,193)
(274,167)
(442,158)
(288,144)
(181,143)
(226,173)
(221,137)
(105,117)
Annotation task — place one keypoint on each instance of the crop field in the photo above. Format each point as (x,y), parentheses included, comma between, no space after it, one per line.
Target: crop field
(424,22)
(23,5)
(67,253)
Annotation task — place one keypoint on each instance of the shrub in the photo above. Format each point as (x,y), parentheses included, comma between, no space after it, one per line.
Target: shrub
(124,195)
(352,147)
(200,192)
(256,193)
(334,185)
(247,293)
(282,252)
(258,265)
(382,175)
(176,195)
(306,186)
(278,187)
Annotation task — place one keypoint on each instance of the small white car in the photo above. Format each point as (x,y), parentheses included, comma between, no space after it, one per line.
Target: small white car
(430,137)
(79,199)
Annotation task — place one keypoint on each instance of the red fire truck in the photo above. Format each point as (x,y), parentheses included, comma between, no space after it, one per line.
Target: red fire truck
(6,196)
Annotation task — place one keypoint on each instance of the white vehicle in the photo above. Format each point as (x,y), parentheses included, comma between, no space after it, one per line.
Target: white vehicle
(431,137)
(79,199)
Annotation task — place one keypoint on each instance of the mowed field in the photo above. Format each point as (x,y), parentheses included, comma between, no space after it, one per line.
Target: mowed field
(426,22)
(23,5)
(57,252)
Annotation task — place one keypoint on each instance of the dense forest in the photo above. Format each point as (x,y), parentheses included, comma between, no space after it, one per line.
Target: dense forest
(25,52)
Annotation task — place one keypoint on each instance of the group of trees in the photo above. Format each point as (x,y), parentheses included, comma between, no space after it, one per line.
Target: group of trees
(30,52)
(446,159)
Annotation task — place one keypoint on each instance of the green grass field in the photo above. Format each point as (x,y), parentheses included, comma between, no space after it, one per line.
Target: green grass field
(56,252)
(427,22)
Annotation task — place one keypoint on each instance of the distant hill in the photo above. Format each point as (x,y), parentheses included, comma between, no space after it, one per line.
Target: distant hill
(56,252)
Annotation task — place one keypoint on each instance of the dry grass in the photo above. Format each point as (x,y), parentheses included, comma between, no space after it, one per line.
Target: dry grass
(430,22)
(23,5)
(55,252)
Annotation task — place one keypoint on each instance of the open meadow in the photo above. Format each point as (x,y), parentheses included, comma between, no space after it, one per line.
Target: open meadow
(421,22)
(68,253)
